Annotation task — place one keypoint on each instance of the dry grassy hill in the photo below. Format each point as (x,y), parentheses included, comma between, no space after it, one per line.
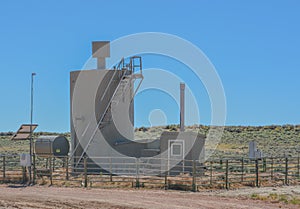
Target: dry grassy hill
(272,140)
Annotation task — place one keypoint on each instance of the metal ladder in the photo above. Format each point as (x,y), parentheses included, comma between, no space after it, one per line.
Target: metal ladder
(125,79)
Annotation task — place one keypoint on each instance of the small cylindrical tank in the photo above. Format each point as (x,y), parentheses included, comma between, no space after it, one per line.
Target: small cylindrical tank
(52,146)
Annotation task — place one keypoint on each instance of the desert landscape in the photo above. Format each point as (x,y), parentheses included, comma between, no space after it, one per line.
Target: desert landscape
(13,196)
(150,104)
(274,140)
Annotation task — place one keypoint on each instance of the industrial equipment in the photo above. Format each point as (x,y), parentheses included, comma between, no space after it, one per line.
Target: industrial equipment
(102,117)
(47,146)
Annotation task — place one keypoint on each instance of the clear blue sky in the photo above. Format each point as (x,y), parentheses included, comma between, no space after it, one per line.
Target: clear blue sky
(254,45)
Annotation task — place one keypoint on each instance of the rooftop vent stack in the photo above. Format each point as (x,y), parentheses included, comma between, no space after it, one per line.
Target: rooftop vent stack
(182,89)
(101,50)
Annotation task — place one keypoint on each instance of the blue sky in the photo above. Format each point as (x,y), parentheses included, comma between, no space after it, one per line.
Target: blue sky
(254,46)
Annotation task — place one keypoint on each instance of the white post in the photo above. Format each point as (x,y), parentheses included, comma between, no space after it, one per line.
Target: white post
(31,134)
(182,89)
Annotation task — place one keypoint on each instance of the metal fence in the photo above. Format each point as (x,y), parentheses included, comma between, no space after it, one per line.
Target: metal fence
(154,173)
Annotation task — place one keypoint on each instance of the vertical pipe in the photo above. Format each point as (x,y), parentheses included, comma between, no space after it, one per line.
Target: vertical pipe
(101,63)
(31,134)
(182,89)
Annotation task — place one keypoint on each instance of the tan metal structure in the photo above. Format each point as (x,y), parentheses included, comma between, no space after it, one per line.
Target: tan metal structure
(102,117)
(102,105)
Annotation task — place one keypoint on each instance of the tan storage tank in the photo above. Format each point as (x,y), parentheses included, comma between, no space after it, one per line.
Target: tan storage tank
(52,146)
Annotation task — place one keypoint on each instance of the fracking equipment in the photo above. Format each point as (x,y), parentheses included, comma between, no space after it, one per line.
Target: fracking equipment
(102,104)
(102,115)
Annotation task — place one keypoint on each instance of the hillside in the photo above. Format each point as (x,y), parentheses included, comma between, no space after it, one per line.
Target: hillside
(273,140)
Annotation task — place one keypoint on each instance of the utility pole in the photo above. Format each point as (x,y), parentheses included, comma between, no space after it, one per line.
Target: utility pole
(31,134)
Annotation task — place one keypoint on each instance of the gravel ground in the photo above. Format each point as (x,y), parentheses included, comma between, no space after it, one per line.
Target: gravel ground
(12,196)
(286,190)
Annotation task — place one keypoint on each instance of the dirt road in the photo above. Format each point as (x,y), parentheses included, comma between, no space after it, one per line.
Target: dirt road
(12,196)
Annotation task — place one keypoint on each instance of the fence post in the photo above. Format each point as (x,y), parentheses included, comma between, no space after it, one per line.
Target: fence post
(166,176)
(53,161)
(67,167)
(137,167)
(298,166)
(272,170)
(211,168)
(166,181)
(34,168)
(51,171)
(194,183)
(256,173)
(242,177)
(226,176)
(286,171)
(3,158)
(110,169)
(23,174)
(85,171)
(264,165)
(221,164)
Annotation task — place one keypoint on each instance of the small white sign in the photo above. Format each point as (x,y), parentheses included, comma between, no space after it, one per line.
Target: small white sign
(25,160)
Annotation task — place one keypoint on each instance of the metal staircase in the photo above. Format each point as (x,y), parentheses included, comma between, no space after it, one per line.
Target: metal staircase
(132,71)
